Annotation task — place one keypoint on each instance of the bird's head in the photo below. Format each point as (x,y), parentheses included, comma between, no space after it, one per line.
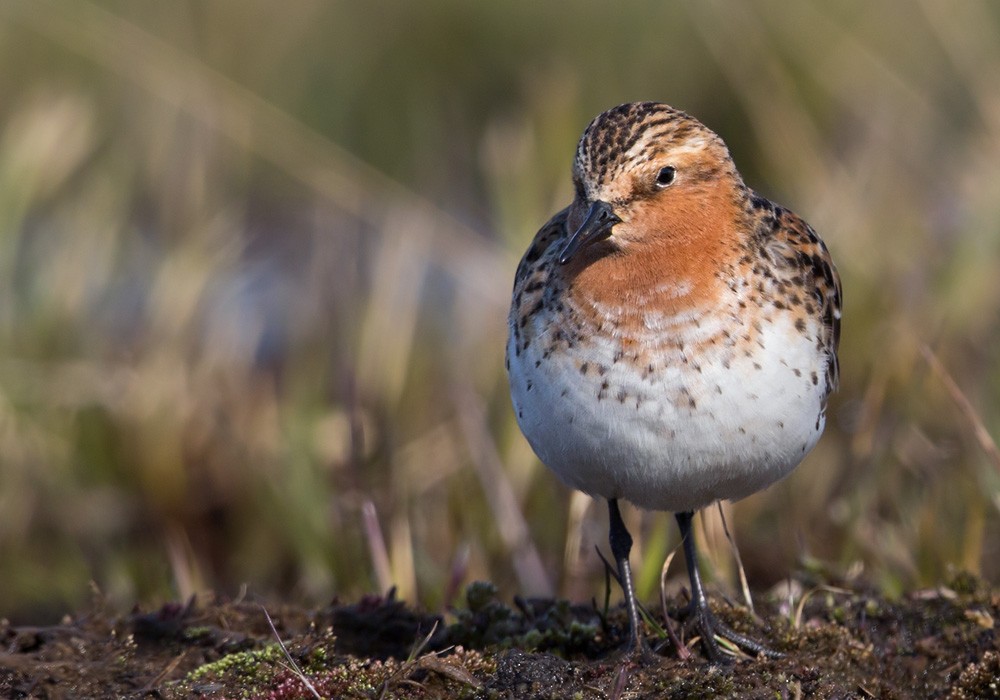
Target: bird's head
(646,172)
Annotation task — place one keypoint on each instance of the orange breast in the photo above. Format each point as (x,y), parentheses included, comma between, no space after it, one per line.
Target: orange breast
(671,260)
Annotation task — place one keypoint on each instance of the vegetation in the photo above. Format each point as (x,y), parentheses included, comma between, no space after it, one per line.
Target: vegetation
(255,260)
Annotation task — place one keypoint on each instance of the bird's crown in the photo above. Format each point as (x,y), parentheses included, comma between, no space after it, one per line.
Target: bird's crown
(640,135)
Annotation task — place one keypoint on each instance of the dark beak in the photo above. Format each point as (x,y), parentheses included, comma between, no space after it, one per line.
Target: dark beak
(596,227)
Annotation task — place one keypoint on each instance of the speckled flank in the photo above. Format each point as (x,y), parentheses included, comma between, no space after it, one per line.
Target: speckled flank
(688,356)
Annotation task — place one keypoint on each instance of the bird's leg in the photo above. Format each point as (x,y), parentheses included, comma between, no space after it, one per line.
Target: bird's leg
(621,545)
(700,615)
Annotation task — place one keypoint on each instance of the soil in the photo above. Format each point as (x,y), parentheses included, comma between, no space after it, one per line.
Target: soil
(836,643)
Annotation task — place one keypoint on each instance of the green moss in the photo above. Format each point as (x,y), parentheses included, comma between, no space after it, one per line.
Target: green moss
(965,583)
(247,664)
(197,632)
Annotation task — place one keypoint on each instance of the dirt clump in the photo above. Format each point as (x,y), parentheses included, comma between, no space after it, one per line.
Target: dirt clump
(835,643)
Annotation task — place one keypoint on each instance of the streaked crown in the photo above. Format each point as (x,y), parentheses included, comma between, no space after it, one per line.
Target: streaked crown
(630,136)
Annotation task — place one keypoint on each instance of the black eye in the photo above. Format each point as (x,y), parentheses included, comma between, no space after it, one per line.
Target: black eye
(665,176)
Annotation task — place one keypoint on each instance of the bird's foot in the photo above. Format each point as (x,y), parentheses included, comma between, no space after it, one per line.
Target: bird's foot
(711,629)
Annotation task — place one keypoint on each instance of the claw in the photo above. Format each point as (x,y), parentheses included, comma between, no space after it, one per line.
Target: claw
(700,616)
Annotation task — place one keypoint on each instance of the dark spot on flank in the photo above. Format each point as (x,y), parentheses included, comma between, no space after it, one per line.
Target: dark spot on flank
(529,386)
(622,396)
(815,379)
(800,325)
(584,367)
(797,371)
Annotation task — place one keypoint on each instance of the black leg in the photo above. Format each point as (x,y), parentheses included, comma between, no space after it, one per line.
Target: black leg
(621,545)
(700,615)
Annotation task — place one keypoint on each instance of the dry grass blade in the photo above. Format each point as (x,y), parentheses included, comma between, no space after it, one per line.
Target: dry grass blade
(411,661)
(292,666)
(621,681)
(167,670)
(510,520)
(455,672)
(456,574)
(682,651)
(262,128)
(744,586)
(982,435)
(797,620)
(376,545)
(419,648)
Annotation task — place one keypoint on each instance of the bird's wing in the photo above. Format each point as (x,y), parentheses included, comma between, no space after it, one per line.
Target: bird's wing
(798,250)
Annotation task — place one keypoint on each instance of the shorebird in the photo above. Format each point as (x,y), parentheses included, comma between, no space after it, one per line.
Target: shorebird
(672,335)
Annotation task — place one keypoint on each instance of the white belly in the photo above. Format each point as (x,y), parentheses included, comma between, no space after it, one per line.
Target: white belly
(690,431)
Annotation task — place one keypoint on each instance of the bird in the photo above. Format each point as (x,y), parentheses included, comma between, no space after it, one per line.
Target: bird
(672,336)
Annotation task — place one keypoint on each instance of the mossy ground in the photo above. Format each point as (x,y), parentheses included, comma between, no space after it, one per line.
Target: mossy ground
(838,643)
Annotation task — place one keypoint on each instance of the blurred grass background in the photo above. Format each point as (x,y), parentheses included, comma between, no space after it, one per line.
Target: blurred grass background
(255,261)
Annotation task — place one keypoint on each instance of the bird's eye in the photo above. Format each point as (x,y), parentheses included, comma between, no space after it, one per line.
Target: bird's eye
(665,176)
